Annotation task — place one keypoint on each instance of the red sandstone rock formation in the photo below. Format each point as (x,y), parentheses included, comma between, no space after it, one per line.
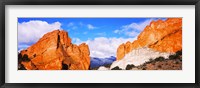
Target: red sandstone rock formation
(163,36)
(53,51)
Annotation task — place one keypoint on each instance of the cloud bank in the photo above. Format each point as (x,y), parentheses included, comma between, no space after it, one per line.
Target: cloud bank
(103,47)
(133,29)
(32,31)
(90,26)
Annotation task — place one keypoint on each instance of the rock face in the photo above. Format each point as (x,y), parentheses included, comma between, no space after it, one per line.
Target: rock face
(162,36)
(54,51)
(138,57)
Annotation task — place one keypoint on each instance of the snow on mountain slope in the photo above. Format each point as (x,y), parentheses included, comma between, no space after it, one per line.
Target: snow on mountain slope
(103,68)
(97,62)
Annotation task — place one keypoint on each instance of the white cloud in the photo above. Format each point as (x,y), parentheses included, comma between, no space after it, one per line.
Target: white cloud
(91,26)
(101,34)
(32,31)
(81,24)
(133,29)
(117,31)
(76,41)
(85,33)
(70,24)
(74,27)
(103,47)
(22,46)
(132,33)
(137,26)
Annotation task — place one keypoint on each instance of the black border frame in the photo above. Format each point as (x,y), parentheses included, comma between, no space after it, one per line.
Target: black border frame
(3,3)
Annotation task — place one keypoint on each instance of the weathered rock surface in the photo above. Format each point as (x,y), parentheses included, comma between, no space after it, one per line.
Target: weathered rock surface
(163,36)
(121,51)
(138,57)
(174,62)
(79,56)
(55,51)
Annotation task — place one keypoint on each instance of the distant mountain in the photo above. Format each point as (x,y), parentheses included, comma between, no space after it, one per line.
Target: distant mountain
(97,62)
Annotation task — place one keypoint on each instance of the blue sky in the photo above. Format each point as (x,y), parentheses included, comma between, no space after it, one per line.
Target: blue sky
(108,32)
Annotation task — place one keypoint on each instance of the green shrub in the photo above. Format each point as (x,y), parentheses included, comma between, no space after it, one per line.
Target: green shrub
(159,59)
(172,57)
(129,66)
(19,58)
(21,67)
(64,66)
(143,68)
(179,52)
(108,65)
(150,61)
(25,58)
(116,68)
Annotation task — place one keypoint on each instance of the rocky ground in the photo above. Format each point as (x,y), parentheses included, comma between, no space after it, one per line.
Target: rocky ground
(174,62)
(168,64)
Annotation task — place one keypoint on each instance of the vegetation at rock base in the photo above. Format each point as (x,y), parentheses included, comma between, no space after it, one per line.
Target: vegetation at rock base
(116,68)
(108,65)
(174,62)
(175,56)
(179,52)
(160,59)
(25,58)
(64,66)
(21,67)
(129,66)
(19,58)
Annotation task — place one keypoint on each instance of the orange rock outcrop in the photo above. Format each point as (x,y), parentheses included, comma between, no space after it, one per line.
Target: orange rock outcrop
(54,50)
(163,36)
